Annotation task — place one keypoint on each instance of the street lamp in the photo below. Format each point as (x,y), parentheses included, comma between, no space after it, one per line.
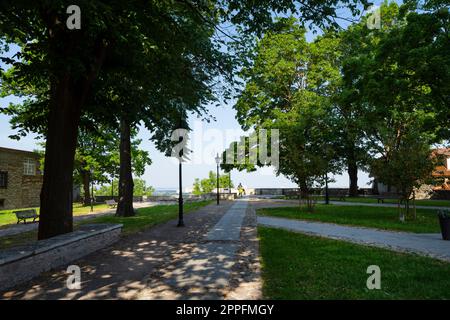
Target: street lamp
(217,162)
(327,192)
(92,189)
(180,196)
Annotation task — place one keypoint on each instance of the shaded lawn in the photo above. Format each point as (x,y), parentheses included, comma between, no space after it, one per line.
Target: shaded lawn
(373,217)
(8,217)
(297,266)
(150,216)
(145,218)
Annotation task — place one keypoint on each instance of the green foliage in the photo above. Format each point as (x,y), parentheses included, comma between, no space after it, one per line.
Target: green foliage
(207,185)
(288,88)
(391,81)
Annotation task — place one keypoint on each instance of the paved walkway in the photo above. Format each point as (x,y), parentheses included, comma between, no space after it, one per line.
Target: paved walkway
(209,268)
(424,244)
(13,229)
(215,256)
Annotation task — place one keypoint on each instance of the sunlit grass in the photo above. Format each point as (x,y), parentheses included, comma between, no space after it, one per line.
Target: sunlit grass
(296,266)
(145,218)
(8,217)
(374,217)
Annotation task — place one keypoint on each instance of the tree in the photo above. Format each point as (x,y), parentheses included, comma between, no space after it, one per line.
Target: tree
(286,90)
(402,109)
(407,165)
(99,150)
(65,64)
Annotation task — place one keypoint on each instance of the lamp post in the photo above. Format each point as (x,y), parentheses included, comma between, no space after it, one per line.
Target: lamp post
(327,193)
(229,181)
(92,189)
(112,187)
(217,162)
(180,196)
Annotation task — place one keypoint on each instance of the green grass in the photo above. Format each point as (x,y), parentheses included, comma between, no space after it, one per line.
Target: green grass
(296,266)
(372,217)
(425,203)
(147,217)
(8,217)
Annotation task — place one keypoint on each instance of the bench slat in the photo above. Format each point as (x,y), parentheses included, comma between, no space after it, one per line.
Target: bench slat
(26,214)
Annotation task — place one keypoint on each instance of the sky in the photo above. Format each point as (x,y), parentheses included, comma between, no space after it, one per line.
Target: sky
(206,140)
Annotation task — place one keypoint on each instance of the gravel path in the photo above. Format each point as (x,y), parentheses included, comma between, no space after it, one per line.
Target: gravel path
(430,245)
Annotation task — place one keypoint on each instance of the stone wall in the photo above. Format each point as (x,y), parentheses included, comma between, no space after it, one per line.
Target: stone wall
(22,264)
(23,190)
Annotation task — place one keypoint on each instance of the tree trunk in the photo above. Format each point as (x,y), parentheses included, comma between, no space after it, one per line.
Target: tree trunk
(86,184)
(125,204)
(57,187)
(67,96)
(304,192)
(352,169)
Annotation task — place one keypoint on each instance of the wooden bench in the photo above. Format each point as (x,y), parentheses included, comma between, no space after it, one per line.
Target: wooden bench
(111,203)
(388,196)
(23,215)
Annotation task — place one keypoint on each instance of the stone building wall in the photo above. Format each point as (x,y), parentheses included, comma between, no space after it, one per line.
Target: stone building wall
(22,190)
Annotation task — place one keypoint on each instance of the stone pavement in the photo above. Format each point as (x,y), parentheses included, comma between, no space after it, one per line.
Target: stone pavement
(430,245)
(207,272)
(13,229)
(214,256)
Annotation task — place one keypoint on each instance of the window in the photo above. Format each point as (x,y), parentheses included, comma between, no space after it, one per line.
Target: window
(2,203)
(3,179)
(29,167)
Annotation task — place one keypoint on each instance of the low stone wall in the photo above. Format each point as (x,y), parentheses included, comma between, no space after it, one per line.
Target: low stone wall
(102,199)
(18,265)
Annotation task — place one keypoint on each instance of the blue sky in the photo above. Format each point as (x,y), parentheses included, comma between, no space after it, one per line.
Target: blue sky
(163,173)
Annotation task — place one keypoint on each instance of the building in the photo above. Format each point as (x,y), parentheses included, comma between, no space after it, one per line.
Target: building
(440,189)
(20,179)
(442,172)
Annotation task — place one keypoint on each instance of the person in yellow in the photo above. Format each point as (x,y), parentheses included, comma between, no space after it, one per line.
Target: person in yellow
(241,190)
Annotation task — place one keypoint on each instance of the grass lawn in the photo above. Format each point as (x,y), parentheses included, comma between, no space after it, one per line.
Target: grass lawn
(145,218)
(373,217)
(8,217)
(425,203)
(296,266)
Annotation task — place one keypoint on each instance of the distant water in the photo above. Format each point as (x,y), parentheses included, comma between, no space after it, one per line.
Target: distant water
(164,192)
